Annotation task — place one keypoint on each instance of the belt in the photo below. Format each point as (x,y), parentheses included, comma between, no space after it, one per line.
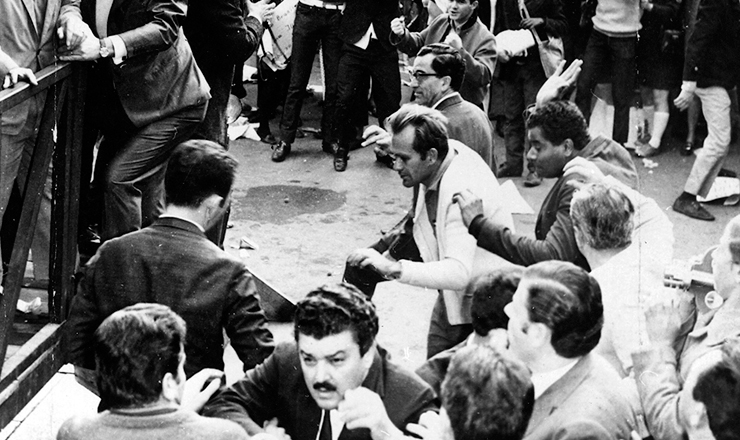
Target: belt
(323,5)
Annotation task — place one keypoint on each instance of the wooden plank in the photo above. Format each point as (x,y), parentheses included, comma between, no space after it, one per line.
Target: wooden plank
(28,371)
(47,77)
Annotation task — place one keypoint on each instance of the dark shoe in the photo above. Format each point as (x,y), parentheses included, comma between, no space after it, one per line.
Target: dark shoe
(693,209)
(340,162)
(645,150)
(266,136)
(506,170)
(385,160)
(724,172)
(330,147)
(687,149)
(532,180)
(280,151)
(300,134)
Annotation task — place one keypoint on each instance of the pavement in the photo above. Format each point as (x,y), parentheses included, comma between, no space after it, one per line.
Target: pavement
(305,218)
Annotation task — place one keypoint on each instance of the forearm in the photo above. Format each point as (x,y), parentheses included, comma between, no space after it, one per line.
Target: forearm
(246,325)
(6,63)
(479,68)
(448,274)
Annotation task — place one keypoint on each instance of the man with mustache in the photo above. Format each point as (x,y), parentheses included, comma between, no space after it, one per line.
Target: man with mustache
(333,379)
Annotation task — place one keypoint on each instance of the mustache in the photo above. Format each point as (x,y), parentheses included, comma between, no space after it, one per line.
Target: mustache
(324,386)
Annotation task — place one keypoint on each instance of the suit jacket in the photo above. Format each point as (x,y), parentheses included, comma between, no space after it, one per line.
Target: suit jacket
(277,388)
(25,42)
(159,76)
(470,125)
(711,50)
(172,262)
(451,257)
(359,14)
(586,403)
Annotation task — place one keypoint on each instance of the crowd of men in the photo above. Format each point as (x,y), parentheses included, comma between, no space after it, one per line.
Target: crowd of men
(563,333)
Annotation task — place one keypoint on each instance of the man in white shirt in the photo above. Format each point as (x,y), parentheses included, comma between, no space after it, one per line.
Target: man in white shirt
(555,321)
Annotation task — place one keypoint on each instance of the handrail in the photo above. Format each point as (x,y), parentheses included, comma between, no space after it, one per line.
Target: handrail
(46,77)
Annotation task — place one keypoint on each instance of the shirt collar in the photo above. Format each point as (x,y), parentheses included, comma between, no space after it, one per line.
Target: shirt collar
(198,225)
(443,168)
(543,381)
(444,98)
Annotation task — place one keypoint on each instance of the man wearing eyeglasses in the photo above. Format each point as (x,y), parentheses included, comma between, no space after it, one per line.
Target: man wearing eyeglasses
(438,73)
(461,29)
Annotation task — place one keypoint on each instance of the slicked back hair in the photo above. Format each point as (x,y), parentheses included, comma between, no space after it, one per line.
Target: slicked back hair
(604,215)
(447,62)
(491,292)
(567,299)
(334,308)
(718,388)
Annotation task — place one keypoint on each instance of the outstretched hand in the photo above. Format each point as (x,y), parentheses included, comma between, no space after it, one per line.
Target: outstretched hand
(471,206)
(559,81)
(195,395)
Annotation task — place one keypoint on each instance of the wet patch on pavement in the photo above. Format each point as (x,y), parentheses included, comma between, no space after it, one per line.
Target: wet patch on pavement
(279,204)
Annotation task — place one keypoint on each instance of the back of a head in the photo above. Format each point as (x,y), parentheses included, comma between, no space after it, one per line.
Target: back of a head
(567,299)
(718,388)
(487,395)
(430,128)
(447,62)
(134,348)
(196,170)
(491,292)
(733,231)
(603,216)
(560,120)
(332,309)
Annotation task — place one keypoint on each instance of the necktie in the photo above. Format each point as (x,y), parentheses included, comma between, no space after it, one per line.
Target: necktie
(325,433)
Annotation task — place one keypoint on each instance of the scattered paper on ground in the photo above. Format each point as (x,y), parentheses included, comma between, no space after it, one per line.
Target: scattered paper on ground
(514,200)
(242,128)
(723,187)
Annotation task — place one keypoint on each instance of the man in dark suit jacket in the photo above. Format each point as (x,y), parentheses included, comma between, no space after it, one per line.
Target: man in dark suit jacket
(366,52)
(334,377)
(153,93)
(172,262)
(555,320)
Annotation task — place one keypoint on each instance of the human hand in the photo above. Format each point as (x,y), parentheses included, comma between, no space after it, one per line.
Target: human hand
(87,50)
(362,408)
(684,98)
(559,81)
(665,316)
(365,257)
(262,10)
(271,428)
(195,396)
(646,5)
(471,206)
(584,170)
(72,31)
(453,40)
(378,136)
(398,26)
(531,23)
(502,54)
(19,74)
(431,426)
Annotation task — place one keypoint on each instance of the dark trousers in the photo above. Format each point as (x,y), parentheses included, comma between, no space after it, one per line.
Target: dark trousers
(272,87)
(521,84)
(312,26)
(443,335)
(355,66)
(617,56)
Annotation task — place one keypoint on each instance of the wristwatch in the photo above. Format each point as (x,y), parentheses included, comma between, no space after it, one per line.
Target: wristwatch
(105,50)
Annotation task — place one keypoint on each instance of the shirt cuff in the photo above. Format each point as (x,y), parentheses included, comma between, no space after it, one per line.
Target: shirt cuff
(476,225)
(688,86)
(119,49)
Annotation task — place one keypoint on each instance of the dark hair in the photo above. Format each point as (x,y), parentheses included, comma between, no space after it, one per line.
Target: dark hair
(487,395)
(560,120)
(491,292)
(430,128)
(134,348)
(604,216)
(567,299)
(718,388)
(334,308)
(447,62)
(196,170)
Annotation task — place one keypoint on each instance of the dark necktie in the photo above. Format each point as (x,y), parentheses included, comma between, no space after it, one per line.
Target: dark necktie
(325,433)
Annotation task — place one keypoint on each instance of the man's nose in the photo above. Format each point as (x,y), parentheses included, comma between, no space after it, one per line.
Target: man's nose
(322,372)
(532,154)
(397,166)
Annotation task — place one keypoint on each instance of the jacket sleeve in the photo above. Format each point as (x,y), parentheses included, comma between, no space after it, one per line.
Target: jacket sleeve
(558,244)
(6,63)
(245,321)
(410,42)
(479,64)
(84,319)
(708,23)
(555,22)
(251,400)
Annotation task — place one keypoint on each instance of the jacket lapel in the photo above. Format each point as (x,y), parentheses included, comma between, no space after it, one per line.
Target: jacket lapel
(31,11)
(52,12)
(558,393)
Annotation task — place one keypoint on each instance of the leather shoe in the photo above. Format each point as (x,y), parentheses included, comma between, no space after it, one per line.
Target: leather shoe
(532,180)
(266,136)
(506,170)
(693,209)
(330,147)
(280,151)
(340,163)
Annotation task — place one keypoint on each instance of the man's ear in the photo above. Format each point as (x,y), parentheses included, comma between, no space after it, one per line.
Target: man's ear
(170,388)
(539,334)
(367,358)
(432,155)
(474,4)
(214,201)
(570,148)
